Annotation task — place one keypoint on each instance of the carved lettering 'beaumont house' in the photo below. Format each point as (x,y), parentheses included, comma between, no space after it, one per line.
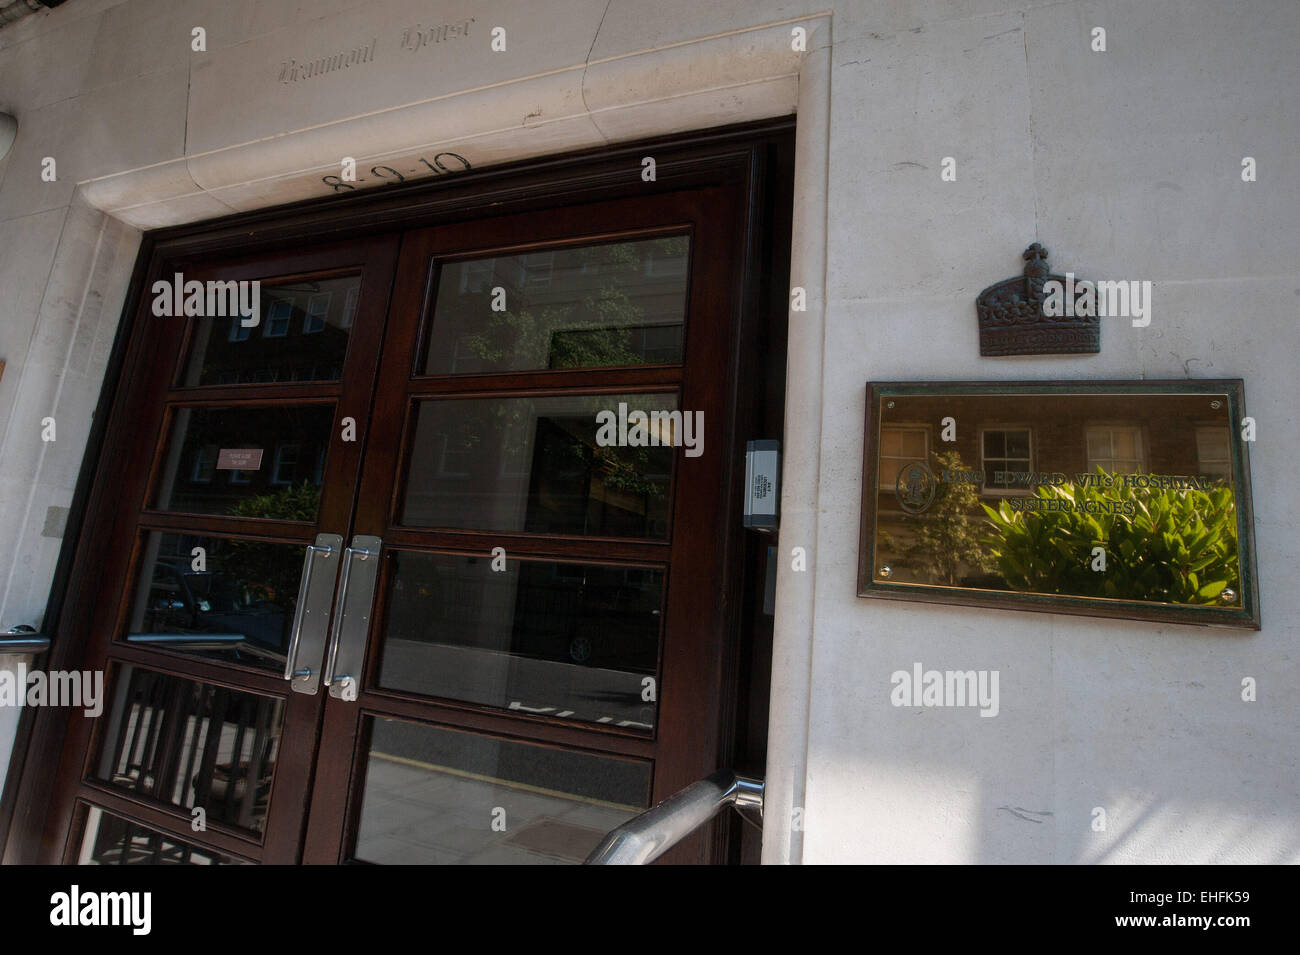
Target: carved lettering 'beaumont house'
(417,36)
(291,70)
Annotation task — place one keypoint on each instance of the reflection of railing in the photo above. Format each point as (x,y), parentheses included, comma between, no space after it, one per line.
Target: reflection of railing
(123,842)
(206,641)
(191,744)
(646,837)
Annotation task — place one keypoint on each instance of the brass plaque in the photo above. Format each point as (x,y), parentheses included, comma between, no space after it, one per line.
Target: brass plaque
(1124,499)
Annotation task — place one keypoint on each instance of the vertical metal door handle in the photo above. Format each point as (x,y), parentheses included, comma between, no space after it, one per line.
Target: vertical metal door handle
(311,613)
(352,603)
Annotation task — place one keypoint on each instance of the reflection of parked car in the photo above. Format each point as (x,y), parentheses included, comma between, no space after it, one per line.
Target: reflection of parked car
(186,601)
(604,626)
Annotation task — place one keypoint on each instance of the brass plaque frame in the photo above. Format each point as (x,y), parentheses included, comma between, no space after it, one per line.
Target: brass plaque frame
(895,506)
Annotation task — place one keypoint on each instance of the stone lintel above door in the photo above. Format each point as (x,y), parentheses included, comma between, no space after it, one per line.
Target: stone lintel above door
(729,78)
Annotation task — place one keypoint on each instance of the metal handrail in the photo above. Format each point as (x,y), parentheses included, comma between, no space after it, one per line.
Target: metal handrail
(646,837)
(23,639)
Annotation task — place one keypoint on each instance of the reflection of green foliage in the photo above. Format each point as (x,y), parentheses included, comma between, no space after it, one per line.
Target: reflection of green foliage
(595,330)
(622,469)
(261,567)
(946,538)
(1180,546)
(287,504)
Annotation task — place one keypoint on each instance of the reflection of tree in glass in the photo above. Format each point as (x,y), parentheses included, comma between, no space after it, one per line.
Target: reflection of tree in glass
(599,328)
(260,567)
(947,541)
(624,469)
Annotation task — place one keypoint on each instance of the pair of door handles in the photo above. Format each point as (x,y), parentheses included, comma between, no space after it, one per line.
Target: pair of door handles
(341,640)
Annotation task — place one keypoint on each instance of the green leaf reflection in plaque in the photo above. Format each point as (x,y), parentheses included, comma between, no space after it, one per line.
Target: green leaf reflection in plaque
(1179,546)
(1122,499)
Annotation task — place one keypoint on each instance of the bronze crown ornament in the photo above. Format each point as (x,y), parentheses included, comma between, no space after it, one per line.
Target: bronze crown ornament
(1012,320)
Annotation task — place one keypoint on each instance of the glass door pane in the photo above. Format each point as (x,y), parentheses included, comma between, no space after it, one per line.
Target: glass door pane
(301,334)
(438,797)
(573,641)
(587,306)
(540,465)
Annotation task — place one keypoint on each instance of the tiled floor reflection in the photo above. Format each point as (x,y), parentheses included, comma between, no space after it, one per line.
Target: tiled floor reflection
(419,813)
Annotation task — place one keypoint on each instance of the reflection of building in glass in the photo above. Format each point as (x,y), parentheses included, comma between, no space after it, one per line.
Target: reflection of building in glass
(302,335)
(1006,447)
(533,465)
(621,303)
(293,441)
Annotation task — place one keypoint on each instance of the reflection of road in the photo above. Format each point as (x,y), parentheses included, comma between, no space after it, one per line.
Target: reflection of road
(494,678)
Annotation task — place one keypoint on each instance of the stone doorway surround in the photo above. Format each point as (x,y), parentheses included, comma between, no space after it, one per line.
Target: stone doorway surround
(335,66)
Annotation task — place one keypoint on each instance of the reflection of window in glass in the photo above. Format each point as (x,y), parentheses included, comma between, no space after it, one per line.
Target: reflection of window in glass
(286,460)
(223,352)
(475,276)
(277,321)
(670,264)
(464,358)
(452,461)
(318,472)
(663,344)
(205,463)
(538,269)
(1213,452)
(1116,449)
(350,307)
(516,450)
(1005,449)
(900,446)
(318,307)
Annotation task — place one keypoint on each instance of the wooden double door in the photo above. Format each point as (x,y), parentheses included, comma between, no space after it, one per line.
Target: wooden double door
(438,561)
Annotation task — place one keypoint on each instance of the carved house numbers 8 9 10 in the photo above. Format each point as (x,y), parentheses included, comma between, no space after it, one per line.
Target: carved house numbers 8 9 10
(389,174)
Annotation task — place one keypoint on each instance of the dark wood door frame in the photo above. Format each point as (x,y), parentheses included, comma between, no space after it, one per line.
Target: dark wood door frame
(757,157)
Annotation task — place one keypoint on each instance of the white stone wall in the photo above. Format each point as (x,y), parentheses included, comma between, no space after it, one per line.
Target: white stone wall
(1125,164)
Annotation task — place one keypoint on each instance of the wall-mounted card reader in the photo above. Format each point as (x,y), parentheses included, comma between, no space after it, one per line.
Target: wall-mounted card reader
(762,485)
